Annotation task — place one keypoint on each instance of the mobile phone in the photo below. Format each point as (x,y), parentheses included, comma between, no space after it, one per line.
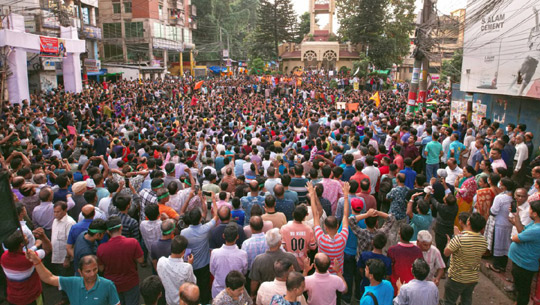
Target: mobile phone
(513,207)
(205,193)
(187,254)
(126,180)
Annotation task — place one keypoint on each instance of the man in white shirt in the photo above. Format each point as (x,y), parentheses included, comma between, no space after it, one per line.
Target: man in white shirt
(453,171)
(521,158)
(372,172)
(432,256)
(174,271)
(522,208)
(60,230)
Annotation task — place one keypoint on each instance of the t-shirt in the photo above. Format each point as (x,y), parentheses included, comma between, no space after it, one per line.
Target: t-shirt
(238,216)
(403,256)
(103,292)
(23,283)
(433,151)
(278,219)
(366,256)
(298,238)
(420,222)
(170,212)
(160,248)
(457,147)
(119,256)
(333,247)
(384,292)
(527,252)
(467,250)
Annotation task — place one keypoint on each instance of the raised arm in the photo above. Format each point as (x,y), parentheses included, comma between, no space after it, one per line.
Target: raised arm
(314,210)
(346,188)
(44,274)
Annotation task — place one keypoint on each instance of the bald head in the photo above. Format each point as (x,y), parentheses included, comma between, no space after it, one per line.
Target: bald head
(322,262)
(279,190)
(224,214)
(189,294)
(254,186)
(88,211)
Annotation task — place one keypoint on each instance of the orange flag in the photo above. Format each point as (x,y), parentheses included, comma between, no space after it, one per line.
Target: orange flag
(198,85)
(376,98)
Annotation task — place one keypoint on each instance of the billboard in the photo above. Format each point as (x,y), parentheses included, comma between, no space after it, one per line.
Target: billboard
(52,47)
(501,49)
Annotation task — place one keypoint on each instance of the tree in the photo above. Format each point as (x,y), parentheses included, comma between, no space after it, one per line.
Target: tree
(452,67)
(303,26)
(382,27)
(276,22)
(362,65)
(256,66)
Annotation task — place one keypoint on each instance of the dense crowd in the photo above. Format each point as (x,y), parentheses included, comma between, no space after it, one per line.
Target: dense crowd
(263,191)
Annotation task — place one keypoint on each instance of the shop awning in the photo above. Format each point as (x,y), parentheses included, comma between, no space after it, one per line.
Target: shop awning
(95,73)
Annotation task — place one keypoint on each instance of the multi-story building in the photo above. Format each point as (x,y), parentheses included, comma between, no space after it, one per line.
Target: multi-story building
(145,36)
(446,38)
(44,17)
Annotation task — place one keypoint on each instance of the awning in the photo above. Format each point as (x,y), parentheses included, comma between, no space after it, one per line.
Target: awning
(95,73)
(114,74)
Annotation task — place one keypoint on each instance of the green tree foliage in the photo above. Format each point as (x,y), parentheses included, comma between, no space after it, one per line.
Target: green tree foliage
(303,27)
(256,67)
(362,65)
(276,22)
(382,27)
(452,67)
(237,18)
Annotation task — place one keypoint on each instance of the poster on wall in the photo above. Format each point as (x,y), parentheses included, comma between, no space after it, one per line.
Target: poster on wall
(52,47)
(457,109)
(479,112)
(501,48)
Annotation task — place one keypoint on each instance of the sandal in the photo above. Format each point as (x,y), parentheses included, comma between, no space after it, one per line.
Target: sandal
(492,268)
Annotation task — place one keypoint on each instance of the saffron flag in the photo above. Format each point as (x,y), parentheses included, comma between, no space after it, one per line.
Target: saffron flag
(198,85)
(376,98)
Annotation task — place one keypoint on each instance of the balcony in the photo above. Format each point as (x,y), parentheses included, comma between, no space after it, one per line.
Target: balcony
(193,24)
(193,10)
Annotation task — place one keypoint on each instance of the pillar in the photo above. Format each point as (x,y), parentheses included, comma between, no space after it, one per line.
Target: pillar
(71,64)
(181,63)
(191,62)
(17,81)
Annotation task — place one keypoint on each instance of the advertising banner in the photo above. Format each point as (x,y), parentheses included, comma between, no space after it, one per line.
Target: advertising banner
(52,47)
(502,48)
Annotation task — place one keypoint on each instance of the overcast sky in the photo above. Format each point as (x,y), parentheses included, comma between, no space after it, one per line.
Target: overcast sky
(444,6)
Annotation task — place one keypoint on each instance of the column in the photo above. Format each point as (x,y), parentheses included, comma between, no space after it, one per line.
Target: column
(17,81)
(72,63)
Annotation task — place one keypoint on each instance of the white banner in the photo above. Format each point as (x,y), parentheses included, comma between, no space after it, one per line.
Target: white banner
(502,49)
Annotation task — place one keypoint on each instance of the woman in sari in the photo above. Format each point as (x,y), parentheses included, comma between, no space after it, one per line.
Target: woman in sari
(484,170)
(465,191)
(485,195)
(536,195)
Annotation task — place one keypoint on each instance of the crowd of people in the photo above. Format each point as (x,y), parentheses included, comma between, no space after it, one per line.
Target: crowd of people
(248,191)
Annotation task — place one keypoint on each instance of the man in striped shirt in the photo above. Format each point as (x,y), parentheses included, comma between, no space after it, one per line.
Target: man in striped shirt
(298,183)
(332,243)
(466,250)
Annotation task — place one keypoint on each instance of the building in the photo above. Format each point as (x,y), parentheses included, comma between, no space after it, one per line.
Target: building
(46,17)
(320,49)
(447,38)
(150,35)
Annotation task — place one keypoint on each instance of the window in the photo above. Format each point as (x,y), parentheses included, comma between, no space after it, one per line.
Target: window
(86,15)
(127,7)
(112,30)
(160,12)
(134,29)
(159,30)
(112,51)
(116,8)
(410,70)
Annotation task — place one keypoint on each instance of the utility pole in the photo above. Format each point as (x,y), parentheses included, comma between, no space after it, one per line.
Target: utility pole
(421,62)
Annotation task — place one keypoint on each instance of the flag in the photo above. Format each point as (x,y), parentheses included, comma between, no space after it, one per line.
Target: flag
(376,98)
(9,220)
(198,85)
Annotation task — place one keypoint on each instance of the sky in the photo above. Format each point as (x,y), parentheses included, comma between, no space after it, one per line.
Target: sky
(444,6)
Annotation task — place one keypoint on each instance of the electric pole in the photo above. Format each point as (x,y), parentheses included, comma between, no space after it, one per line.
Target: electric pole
(421,62)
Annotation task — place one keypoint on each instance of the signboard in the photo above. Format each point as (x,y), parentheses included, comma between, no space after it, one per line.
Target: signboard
(52,47)
(501,49)
(225,53)
(92,65)
(49,64)
(229,62)
(457,109)
(91,32)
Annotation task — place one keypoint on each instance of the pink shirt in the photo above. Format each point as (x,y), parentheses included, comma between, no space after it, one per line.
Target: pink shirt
(322,287)
(267,225)
(298,238)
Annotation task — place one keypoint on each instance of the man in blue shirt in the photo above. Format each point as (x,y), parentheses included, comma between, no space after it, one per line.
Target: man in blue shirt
(348,168)
(198,236)
(88,289)
(456,148)
(410,174)
(379,289)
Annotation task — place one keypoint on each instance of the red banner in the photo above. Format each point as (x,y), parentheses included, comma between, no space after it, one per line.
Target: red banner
(52,47)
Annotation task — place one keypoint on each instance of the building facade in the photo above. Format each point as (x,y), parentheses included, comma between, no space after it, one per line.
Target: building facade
(149,34)
(320,48)
(46,17)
